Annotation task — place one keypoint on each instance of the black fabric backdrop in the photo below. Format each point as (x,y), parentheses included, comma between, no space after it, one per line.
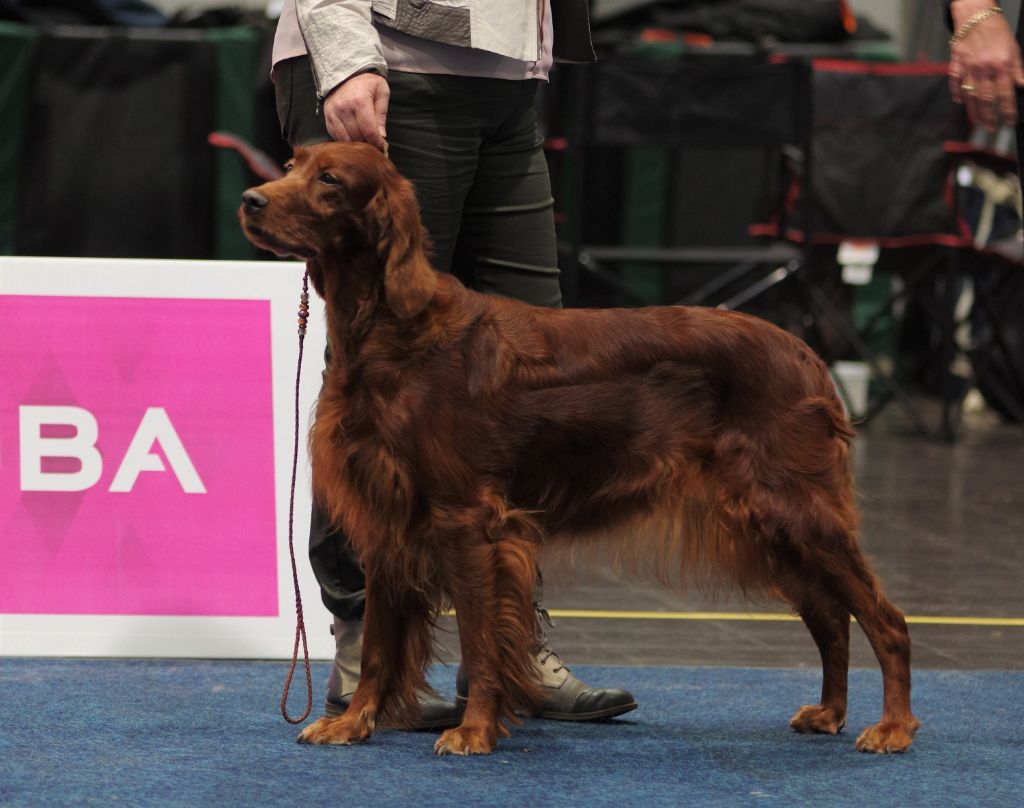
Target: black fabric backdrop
(116,162)
(751,20)
(879,165)
(702,100)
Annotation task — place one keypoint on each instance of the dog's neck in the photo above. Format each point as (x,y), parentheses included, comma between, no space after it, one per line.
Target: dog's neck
(359,318)
(352,288)
(352,296)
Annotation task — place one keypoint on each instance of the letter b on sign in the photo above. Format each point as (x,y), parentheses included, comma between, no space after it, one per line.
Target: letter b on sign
(81,446)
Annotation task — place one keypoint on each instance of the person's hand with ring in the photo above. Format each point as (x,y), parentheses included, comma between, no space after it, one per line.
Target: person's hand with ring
(985,63)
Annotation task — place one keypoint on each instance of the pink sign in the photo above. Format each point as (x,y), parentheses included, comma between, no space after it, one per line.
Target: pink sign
(136,457)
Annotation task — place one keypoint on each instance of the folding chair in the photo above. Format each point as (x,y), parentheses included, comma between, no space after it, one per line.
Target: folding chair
(754,104)
(887,143)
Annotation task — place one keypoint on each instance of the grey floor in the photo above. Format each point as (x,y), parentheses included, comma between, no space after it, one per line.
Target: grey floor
(944,524)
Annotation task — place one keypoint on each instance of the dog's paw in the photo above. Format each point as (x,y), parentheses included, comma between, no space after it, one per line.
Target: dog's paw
(463,741)
(818,718)
(887,737)
(340,731)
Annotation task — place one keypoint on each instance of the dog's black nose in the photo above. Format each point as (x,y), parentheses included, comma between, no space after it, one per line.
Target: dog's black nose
(254,200)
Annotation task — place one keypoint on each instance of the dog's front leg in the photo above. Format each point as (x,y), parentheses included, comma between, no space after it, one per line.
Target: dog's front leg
(481,724)
(490,585)
(382,624)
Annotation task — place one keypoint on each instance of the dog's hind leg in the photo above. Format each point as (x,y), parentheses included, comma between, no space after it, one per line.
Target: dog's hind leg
(829,624)
(811,556)
(396,649)
(840,571)
(886,630)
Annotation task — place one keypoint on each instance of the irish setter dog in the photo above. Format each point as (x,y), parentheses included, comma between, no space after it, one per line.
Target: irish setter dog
(456,433)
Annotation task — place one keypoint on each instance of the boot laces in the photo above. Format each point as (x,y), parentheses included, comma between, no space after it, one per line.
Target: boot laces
(544,649)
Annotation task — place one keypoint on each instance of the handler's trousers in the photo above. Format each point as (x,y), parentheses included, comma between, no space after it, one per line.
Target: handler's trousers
(472,150)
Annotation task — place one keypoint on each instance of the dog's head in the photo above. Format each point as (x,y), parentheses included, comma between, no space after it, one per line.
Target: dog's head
(337,202)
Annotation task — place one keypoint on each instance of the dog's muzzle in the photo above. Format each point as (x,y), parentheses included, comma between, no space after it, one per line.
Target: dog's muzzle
(253,201)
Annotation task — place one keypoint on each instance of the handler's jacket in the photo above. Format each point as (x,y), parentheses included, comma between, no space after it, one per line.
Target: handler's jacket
(341,40)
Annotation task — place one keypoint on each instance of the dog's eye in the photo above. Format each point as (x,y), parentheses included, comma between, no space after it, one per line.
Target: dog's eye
(328,179)
(288,166)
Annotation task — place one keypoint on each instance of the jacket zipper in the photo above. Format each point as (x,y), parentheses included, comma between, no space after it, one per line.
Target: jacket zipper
(312,67)
(540,30)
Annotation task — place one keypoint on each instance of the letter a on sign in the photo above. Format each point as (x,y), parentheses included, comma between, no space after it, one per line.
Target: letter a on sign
(156,426)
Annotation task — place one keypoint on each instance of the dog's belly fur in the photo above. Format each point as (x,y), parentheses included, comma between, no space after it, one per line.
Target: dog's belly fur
(664,451)
(591,458)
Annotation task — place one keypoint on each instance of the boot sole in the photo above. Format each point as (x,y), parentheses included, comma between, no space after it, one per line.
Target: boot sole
(550,715)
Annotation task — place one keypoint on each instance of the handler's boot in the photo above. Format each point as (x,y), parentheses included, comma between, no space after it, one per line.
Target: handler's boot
(435,712)
(566,697)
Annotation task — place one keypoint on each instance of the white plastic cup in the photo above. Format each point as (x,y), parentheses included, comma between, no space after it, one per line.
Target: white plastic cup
(852,384)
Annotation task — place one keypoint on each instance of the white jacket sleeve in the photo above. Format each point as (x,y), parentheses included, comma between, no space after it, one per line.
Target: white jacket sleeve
(341,40)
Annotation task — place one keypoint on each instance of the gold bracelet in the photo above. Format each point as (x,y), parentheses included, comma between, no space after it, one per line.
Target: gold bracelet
(965,29)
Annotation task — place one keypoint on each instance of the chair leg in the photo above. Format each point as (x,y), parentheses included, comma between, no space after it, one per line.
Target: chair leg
(983,299)
(775,277)
(826,307)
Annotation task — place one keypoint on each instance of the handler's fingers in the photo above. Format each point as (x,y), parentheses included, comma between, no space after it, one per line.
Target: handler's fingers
(380,111)
(956,78)
(1006,98)
(366,121)
(968,90)
(335,112)
(1018,82)
(348,109)
(343,126)
(334,128)
(985,99)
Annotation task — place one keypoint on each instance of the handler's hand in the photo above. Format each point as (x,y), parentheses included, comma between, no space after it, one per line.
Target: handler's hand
(357,109)
(985,66)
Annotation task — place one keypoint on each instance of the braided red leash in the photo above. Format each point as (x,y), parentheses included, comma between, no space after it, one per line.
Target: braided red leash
(300,626)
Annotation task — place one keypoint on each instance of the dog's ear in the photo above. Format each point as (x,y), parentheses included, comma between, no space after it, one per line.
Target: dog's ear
(409,281)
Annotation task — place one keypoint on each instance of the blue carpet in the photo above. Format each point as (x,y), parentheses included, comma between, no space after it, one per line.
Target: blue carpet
(183,733)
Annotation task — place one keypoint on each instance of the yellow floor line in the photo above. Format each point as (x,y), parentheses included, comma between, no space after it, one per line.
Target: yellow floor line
(772,617)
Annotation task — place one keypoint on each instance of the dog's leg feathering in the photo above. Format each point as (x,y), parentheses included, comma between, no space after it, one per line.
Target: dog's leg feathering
(396,649)
(490,583)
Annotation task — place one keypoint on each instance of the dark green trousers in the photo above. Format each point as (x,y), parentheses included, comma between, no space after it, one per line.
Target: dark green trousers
(471,148)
